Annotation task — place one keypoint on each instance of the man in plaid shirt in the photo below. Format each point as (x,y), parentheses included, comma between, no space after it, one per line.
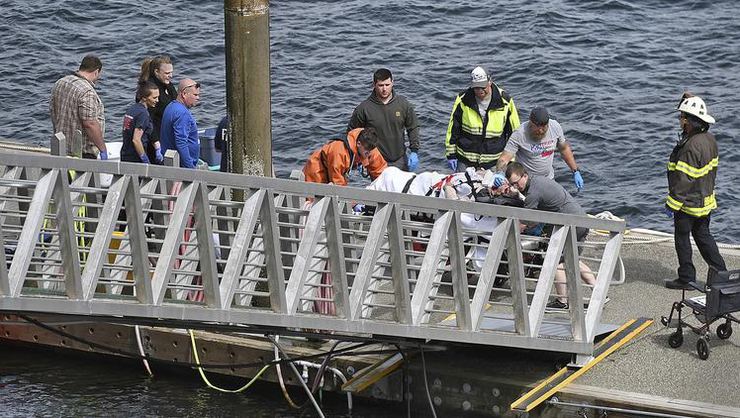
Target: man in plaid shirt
(77,111)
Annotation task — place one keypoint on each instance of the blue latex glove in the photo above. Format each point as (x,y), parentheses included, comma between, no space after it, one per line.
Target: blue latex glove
(358,208)
(668,212)
(413,161)
(158,155)
(452,163)
(103,155)
(359,169)
(535,230)
(499,179)
(578,179)
(144,158)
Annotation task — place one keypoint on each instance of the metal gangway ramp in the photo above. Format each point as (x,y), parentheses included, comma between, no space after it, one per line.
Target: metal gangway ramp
(113,240)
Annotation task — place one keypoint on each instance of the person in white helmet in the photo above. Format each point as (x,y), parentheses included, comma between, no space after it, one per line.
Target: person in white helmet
(692,170)
(483,117)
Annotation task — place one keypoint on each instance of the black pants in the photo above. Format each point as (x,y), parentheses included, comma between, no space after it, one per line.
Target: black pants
(685,225)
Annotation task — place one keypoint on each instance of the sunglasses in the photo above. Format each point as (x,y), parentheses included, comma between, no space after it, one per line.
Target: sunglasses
(196,85)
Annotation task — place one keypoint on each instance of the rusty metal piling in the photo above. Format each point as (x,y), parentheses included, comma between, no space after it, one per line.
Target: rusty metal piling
(247,42)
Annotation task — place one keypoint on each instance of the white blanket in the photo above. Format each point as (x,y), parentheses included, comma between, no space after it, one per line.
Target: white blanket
(393,179)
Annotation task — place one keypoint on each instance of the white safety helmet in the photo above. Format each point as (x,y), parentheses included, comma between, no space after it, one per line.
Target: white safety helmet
(694,105)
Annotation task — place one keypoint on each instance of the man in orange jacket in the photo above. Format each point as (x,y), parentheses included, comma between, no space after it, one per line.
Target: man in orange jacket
(333,162)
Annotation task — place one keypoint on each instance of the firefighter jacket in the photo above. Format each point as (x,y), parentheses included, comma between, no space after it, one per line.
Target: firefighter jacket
(480,141)
(333,161)
(692,169)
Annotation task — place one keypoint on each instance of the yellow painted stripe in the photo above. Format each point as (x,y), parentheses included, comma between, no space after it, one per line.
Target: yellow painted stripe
(615,333)
(589,365)
(374,376)
(564,369)
(540,386)
(452,316)
(567,380)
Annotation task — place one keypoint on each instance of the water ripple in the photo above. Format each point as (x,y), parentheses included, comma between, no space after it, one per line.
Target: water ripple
(611,70)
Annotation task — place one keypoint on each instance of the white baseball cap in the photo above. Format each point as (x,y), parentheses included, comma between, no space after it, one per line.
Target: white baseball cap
(479,77)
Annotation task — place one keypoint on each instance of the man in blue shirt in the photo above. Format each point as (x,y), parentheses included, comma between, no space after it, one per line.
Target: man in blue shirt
(179,130)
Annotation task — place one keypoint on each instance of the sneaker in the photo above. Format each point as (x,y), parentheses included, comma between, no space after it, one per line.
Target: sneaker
(500,281)
(556,304)
(678,284)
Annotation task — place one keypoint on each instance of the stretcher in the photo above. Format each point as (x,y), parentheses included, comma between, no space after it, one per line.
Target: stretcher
(718,301)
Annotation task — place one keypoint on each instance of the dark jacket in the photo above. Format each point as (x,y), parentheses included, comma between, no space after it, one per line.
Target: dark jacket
(222,143)
(390,121)
(167,93)
(692,170)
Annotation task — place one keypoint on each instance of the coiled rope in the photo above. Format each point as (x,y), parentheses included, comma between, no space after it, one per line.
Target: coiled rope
(631,239)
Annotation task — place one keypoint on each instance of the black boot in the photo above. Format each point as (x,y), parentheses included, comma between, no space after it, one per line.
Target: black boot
(679,284)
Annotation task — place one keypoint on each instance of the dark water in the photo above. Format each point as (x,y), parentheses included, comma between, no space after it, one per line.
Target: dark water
(36,383)
(611,71)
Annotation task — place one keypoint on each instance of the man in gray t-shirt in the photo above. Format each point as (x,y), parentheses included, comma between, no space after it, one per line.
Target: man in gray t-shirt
(542,193)
(534,145)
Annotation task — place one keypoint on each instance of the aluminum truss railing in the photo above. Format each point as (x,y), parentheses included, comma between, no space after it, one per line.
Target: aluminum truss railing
(111,239)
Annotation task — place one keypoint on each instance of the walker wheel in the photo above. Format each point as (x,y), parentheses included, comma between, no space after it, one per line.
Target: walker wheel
(676,339)
(724,331)
(702,348)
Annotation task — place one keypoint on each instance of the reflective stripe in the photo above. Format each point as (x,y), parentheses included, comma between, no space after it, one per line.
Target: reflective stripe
(691,171)
(475,157)
(710,203)
(472,123)
(449,147)
(499,121)
(673,203)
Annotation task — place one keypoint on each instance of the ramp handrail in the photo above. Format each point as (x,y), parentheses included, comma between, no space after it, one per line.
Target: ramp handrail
(106,238)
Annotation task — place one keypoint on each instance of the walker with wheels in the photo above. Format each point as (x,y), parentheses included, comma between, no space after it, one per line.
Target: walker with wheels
(720,298)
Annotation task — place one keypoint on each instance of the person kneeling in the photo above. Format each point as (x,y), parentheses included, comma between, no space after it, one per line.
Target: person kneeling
(333,162)
(543,193)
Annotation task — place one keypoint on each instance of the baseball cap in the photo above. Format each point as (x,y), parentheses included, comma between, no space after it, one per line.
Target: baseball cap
(479,77)
(539,116)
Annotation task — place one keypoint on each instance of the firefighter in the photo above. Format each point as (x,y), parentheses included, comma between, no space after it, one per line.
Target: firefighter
(692,170)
